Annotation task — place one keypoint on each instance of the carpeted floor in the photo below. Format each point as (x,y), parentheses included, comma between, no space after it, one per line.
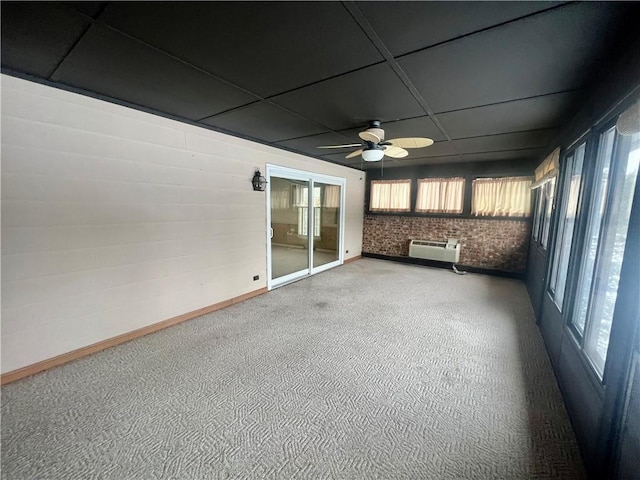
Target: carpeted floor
(373,370)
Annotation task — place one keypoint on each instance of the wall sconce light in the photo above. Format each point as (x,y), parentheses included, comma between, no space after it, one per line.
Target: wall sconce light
(258,181)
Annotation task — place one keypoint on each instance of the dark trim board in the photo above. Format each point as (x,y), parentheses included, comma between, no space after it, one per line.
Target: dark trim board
(446,265)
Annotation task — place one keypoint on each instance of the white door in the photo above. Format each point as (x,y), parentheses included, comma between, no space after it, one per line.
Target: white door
(305,224)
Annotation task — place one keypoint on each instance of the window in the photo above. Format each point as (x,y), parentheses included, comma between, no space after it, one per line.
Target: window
(616,172)
(301,201)
(544,185)
(440,195)
(538,213)
(390,196)
(501,197)
(598,197)
(549,190)
(566,225)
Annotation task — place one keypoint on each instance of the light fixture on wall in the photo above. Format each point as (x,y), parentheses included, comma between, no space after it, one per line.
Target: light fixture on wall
(258,181)
(372,154)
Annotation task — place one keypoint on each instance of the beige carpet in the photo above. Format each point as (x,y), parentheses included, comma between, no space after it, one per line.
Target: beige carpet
(373,370)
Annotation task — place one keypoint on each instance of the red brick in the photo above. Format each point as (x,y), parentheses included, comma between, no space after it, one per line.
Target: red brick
(494,244)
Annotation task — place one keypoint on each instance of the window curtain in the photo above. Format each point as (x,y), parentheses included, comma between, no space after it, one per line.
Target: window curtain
(440,195)
(332,196)
(280,198)
(301,196)
(501,197)
(547,170)
(390,195)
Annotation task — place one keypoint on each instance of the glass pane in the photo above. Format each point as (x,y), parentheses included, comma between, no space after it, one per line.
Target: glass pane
(326,241)
(537,216)
(289,221)
(549,192)
(609,259)
(599,195)
(567,223)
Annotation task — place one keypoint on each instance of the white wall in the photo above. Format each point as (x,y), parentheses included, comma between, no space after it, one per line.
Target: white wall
(115,219)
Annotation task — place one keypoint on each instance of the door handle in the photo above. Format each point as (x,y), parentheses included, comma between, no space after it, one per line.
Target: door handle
(271,232)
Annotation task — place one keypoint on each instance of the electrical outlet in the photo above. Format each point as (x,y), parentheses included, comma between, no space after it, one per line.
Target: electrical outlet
(256,277)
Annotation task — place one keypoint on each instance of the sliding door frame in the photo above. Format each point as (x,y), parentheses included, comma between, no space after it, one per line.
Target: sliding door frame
(312,178)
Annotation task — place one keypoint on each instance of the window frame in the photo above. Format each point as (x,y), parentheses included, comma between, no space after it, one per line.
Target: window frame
(441,212)
(620,146)
(523,177)
(466,212)
(390,182)
(576,245)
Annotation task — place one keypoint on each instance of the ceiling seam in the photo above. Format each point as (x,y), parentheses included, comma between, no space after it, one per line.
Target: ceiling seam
(482,30)
(377,42)
(96,21)
(542,95)
(506,133)
(75,43)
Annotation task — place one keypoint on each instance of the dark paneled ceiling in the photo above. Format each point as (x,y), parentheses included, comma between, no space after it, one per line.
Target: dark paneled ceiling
(485,80)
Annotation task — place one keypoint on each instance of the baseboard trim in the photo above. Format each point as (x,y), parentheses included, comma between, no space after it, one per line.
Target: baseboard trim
(447,265)
(29,370)
(352,259)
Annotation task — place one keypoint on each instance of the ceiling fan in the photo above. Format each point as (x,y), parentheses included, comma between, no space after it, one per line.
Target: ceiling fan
(374,146)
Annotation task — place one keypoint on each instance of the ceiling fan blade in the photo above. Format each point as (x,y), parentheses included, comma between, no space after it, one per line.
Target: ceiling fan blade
(411,142)
(348,145)
(354,154)
(395,152)
(373,135)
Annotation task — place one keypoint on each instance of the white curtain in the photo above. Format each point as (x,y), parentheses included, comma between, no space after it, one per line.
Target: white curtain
(332,196)
(281,198)
(390,195)
(440,195)
(501,197)
(301,196)
(547,170)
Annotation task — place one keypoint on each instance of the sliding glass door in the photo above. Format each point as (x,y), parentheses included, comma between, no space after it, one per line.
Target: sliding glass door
(305,223)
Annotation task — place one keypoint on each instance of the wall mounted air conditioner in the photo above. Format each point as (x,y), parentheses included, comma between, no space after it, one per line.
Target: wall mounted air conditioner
(448,251)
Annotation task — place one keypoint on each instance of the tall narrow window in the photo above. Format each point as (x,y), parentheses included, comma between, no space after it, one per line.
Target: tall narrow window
(566,226)
(390,196)
(538,213)
(440,195)
(501,197)
(549,195)
(618,161)
(301,201)
(598,198)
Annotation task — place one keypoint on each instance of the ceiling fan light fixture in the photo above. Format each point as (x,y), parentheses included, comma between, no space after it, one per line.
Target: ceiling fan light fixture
(372,155)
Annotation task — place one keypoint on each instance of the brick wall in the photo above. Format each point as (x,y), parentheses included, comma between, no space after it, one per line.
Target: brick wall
(494,244)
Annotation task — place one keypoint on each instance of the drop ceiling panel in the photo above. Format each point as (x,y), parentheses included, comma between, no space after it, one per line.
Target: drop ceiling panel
(436,150)
(408,26)
(265,122)
(88,8)
(339,158)
(310,144)
(414,162)
(550,52)
(111,64)
(500,76)
(37,36)
(531,114)
(265,47)
(506,155)
(351,100)
(507,141)
(412,127)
